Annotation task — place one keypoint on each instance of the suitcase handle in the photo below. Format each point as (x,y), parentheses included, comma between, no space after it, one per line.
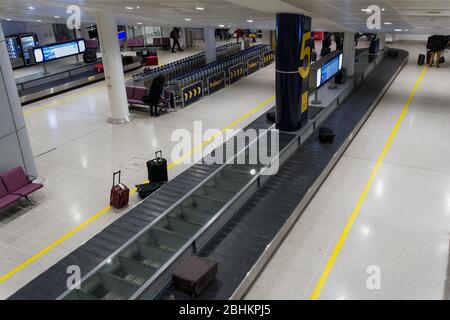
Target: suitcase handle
(114,177)
(158,152)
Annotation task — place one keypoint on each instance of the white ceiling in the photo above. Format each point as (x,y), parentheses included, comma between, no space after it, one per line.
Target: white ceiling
(417,16)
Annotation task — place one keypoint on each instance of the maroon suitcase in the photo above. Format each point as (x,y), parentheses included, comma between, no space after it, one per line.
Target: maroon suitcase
(194,275)
(120,194)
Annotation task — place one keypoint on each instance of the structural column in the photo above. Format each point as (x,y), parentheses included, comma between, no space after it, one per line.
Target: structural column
(349,53)
(15,148)
(382,37)
(210,44)
(292,70)
(112,62)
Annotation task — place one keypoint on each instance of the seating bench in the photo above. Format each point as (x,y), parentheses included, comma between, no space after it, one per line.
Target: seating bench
(135,95)
(7,199)
(15,184)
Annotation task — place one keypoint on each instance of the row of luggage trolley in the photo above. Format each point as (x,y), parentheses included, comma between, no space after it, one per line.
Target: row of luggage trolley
(181,67)
(213,77)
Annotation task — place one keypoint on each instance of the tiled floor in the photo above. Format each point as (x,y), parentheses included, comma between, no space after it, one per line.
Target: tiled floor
(403,226)
(77,151)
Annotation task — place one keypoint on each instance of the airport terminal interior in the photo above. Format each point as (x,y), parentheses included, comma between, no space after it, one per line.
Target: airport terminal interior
(224,150)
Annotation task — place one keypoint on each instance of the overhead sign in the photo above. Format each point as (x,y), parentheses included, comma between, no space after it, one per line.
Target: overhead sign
(216,82)
(268,58)
(236,72)
(253,65)
(192,93)
(59,50)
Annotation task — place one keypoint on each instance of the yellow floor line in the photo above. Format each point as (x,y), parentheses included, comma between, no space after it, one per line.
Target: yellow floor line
(133,191)
(335,253)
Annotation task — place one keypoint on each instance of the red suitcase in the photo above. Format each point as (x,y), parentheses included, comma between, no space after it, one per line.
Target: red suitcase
(151,61)
(120,194)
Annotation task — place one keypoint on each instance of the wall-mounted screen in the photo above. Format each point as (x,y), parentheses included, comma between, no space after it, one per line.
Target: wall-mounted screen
(38,56)
(81,46)
(329,70)
(122,35)
(59,50)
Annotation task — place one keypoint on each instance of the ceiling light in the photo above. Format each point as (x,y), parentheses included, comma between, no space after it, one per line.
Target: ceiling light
(250,21)
(221,25)
(188,19)
(138,7)
(31,8)
(139,23)
(383,9)
(129,8)
(200,8)
(8,19)
(398,30)
(388,23)
(56,17)
(406,30)
(38,20)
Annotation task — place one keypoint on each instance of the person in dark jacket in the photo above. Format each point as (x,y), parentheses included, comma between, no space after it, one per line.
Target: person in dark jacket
(175,36)
(155,92)
(436,44)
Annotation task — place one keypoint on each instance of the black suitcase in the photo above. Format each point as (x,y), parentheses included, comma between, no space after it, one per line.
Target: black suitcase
(326,135)
(421,60)
(146,189)
(393,54)
(157,169)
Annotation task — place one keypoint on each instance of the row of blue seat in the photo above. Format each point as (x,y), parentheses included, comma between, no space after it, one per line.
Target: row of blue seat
(213,68)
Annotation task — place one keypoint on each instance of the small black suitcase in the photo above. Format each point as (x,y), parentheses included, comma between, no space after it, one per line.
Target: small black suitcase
(326,135)
(146,189)
(421,60)
(157,169)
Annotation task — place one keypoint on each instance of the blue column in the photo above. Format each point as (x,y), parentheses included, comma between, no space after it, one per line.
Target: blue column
(292,70)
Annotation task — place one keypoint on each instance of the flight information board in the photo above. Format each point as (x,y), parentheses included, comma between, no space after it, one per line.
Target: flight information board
(59,50)
(329,70)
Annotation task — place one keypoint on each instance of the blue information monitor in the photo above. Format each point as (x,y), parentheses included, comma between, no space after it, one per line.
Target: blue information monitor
(59,50)
(329,70)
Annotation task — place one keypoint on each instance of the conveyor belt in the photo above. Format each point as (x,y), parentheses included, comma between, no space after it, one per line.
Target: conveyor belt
(52,283)
(240,244)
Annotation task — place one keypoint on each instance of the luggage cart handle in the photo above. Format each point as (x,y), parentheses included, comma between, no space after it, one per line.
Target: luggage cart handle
(114,177)
(158,152)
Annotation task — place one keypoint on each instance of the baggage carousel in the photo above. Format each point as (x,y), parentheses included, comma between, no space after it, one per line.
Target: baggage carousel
(39,86)
(231,213)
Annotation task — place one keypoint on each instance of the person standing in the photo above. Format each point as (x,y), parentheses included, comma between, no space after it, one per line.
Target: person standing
(155,92)
(239,34)
(175,36)
(436,44)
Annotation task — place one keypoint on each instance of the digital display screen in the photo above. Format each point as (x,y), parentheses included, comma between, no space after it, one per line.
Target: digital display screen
(38,56)
(81,46)
(329,70)
(60,50)
(122,35)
